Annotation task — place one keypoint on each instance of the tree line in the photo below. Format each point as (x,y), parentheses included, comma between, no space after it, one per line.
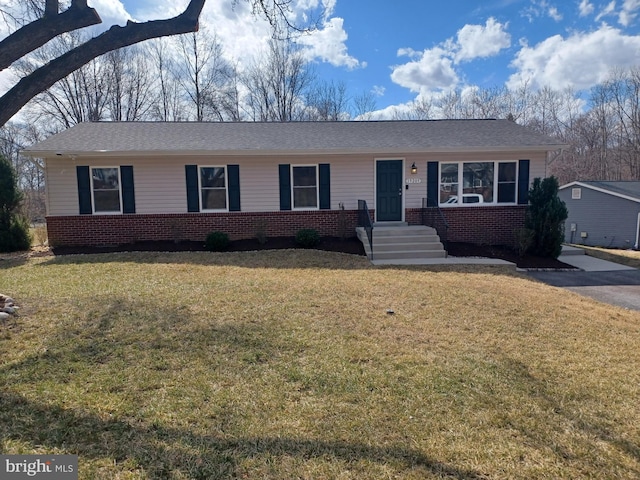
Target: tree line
(188,78)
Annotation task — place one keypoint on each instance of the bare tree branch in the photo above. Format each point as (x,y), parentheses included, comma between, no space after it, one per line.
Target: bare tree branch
(39,32)
(114,38)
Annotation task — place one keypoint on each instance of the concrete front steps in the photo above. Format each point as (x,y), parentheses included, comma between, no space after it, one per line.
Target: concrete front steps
(399,242)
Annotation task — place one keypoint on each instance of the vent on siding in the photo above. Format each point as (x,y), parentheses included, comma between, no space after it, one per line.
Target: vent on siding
(576,193)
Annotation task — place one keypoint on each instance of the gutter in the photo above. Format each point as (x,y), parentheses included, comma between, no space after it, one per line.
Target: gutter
(279,153)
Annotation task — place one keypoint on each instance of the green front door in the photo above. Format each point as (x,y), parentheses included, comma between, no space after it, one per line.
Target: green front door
(389,190)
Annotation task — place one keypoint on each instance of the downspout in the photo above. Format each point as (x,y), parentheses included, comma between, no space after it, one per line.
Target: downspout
(636,246)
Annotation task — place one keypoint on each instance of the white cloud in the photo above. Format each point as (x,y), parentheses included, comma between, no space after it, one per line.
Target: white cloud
(555,14)
(378,90)
(586,8)
(541,8)
(328,45)
(111,11)
(608,10)
(629,12)
(579,61)
(433,70)
(478,41)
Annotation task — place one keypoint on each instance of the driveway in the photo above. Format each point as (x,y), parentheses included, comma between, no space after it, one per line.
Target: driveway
(604,281)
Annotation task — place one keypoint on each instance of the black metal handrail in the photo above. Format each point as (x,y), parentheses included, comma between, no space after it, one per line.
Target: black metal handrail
(364,221)
(433,217)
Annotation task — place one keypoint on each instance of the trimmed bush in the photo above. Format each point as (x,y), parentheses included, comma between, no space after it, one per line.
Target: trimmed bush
(545,217)
(217,241)
(307,238)
(14,228)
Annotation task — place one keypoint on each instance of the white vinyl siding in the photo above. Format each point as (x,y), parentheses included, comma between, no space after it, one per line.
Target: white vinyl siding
(160,182)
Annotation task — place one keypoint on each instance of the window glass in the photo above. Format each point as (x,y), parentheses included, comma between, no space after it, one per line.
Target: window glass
(106,189)
(449,183)
(507,182)
(477,181)
(305,187)
(213,185)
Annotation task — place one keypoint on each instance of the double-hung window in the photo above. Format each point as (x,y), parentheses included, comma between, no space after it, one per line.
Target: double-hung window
(478,182)
(213,188)
(105,186)
(304,182)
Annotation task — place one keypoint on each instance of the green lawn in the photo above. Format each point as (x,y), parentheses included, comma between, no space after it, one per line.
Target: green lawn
(286,364)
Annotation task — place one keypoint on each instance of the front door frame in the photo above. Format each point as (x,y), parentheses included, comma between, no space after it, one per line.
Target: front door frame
(401,187)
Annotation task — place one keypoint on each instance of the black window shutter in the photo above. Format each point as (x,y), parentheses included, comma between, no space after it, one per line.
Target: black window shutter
(128,191)
(324,178)
(432,184)
(233,182)
(523,182)
(84,190)
(193,202)
(285,186)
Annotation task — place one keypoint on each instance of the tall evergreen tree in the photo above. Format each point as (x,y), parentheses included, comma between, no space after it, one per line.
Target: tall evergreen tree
(545,217)
(14,228)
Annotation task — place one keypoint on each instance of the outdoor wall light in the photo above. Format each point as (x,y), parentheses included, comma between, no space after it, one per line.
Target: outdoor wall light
(414,169)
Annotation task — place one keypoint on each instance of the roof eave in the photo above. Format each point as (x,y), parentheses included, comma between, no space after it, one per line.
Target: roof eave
(601,190)
(200,153)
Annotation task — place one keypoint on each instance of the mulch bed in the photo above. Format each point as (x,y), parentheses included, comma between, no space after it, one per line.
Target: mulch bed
(330,244)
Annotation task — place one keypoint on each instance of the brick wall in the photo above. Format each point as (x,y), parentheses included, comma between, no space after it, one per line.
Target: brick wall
(481,225)
(99,230)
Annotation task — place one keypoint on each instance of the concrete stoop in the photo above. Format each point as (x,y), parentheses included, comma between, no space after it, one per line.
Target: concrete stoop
(402,242)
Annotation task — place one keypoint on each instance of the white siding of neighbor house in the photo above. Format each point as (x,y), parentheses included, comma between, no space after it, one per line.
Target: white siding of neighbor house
(160,185)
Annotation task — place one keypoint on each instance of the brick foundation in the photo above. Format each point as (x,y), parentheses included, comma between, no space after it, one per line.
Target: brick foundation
(100,230)
(480,225)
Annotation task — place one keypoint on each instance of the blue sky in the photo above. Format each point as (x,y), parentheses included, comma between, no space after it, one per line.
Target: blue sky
(406,50)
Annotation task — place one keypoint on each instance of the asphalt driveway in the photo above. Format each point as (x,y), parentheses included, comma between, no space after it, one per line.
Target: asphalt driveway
(604,281)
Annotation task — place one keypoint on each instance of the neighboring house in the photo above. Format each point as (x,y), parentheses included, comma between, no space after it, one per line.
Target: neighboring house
(114,183)
(603,214)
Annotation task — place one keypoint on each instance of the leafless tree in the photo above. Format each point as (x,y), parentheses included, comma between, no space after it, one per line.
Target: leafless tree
(277,85)
(203,74)
(130,85)
(328,102)
(55,19)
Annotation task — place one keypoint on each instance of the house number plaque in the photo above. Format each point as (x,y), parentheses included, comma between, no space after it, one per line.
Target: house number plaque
(413,180)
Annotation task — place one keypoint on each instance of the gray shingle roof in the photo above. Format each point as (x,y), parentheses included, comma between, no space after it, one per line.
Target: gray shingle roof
(294,137)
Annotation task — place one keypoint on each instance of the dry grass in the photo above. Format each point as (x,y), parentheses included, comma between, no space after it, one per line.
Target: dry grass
(287,365)
(630,258)
(39,236)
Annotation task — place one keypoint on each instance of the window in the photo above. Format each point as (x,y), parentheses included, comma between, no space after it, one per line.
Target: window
(449,183)
(213,188)
(482,182)
(304,180)
(105,185)
(477,182)
(507,182)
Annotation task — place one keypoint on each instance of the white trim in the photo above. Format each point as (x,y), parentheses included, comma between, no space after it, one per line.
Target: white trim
(93,197)
(375,185)
(226,190)
(601,190)
(317,168)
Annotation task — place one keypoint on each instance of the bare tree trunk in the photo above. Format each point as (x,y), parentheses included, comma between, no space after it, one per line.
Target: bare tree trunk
(116,37)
